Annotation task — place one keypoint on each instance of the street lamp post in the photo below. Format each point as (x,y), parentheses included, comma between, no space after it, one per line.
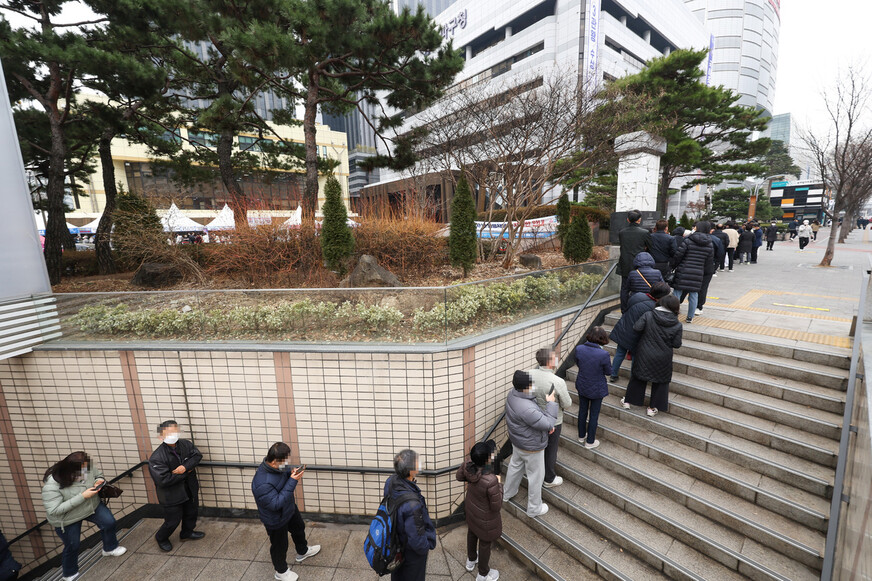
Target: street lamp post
(752,203)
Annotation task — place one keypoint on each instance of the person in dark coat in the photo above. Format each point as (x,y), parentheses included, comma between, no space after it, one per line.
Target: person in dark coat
(678,239)
(662,247)
(416,530)
(633,240)
(758,241)
(771,235)
(172,467)
(718,232)
(593,367)
(644,274)
(660,333)
(484,501)
(710,270)
(791,227)
(690,264)
(273,488)
(623,334)
(746,245)
(9,567)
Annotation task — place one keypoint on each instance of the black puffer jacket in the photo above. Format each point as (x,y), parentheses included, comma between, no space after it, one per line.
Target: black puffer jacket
(623,333)
(746,241)
(662,247)
(690,261)
(644,270)
(659,333)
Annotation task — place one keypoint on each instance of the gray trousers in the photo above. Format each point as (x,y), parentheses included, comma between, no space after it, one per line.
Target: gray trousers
(533,465)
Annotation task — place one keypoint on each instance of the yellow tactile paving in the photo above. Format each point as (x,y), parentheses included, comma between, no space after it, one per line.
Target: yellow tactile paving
(830,297)
(831,340)
(745,302)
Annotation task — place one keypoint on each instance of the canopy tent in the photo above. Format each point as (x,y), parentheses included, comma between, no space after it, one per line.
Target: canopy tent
(175,221)
(40,224)
(90,227)
(295,220)
(223,221)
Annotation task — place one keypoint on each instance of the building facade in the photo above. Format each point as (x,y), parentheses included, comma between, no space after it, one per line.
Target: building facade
(361,139)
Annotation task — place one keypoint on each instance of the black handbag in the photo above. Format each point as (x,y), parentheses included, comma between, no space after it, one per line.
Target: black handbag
(107,492)
(670,277)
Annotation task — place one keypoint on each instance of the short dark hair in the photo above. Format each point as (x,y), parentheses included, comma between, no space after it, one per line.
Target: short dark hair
(404,462)
(670,302)
(543,356)
(661,225)
(164,425)
(598,335)
(634,216)
(659,290)
(703,226)
(278,451)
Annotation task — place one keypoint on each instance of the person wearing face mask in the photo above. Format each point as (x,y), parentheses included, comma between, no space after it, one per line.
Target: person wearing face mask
(70,495)
(172,467)
(273,487)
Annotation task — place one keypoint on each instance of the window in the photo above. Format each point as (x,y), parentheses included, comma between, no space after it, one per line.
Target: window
(247,143)
(203,138)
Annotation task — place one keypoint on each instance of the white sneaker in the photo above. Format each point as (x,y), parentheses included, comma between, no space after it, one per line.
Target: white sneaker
(287,576)
(556,482)
(652,412)
(542,511)
(470,565)
(624,404)
(313,550)
(116,553)
(70,578)
(591,446)
(698,312)
(492,575)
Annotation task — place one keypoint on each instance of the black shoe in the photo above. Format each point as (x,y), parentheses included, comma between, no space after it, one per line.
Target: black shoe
(613,378)
(195,536)
(165,546)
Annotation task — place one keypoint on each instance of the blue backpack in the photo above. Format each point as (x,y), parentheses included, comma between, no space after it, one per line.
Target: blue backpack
(382,544)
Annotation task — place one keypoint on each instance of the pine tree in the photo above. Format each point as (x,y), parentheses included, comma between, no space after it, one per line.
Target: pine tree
(337,242)
(564,208)
(672,222)
(462,243)
(579,240)
(732,202)
(685,222)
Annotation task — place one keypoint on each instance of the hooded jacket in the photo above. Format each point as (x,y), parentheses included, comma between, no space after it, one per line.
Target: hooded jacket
(691,261)
(274,495)
(593,367)
(623,333)
(484,499)
(527,423)
(659,333)
(175,489)
(643,269)
(417,532)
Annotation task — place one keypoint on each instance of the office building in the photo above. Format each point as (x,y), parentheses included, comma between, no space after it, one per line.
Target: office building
(361,139)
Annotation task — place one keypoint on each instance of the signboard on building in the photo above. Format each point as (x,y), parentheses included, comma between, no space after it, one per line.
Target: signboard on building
(803,199)
(708,67)
(591,42)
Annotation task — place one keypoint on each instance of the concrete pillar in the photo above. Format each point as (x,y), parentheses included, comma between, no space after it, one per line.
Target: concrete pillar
(624,20)
(508,31)
(667,51)
(469,52)
(638,171)
(647,36)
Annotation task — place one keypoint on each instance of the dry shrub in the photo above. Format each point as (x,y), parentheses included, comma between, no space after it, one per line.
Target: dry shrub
(599,253)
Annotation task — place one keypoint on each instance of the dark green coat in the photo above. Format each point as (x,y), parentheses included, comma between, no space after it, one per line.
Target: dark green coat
(634,239)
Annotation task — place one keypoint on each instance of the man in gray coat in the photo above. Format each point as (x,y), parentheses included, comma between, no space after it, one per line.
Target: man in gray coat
(528,427)
(544,379)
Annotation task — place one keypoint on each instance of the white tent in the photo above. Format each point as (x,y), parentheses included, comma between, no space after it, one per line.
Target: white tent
(175,221)
(224,220)
(296,218)
(90,227)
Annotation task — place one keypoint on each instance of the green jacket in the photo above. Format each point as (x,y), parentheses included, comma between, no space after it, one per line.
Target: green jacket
(64,506)
(543,379)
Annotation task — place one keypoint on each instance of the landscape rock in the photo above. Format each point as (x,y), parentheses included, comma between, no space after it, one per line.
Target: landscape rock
(530,261)
(156,275)
(368,273)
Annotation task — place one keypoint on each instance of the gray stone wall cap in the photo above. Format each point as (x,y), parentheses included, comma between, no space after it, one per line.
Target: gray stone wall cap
(639,142)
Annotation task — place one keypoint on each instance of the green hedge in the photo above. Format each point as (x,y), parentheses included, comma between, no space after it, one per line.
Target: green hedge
(593,214)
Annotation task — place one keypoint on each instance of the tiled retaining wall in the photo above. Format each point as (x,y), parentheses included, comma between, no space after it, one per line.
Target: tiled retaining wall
(347,407)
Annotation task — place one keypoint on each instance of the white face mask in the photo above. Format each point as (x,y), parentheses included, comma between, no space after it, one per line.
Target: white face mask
(171,438)
(84,474)
(282,466)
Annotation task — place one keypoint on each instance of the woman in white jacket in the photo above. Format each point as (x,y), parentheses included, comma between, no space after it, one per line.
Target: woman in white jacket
(804,233)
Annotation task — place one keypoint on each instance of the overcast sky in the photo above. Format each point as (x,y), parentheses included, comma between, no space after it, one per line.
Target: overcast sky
(817,39)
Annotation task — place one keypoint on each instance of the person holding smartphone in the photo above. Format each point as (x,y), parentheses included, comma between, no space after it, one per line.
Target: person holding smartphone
(273,487)
(70,495)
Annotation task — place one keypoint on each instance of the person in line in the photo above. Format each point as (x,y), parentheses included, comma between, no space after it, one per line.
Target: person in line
(678,238)
(758,241)
(544,379)
(662,247)
(633,240)
(484,502)
(718,232)
(593,367)
(660,333)
(9,567)
(273,488)
(815,227)
(70,495)
(791,227)
(804,233)
(746,245)
(172,467)
(416,531)
(733,236)
(710,271)
(528,426)
(691,262)
(622,333)
(644,274)
(771,235)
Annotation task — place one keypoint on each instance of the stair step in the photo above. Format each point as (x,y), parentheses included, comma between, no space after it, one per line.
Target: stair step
(88,558)
(705,535)
(522,542)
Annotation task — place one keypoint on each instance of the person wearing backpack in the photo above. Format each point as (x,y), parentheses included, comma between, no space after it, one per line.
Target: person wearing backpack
(273,487)
(484,500)
(416,533)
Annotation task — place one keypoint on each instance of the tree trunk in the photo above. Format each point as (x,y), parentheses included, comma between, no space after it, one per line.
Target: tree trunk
(847,225)
(831,241)
(663,194)
(105,261)
(56,227)
(69,241)
(238,202)
(310,196)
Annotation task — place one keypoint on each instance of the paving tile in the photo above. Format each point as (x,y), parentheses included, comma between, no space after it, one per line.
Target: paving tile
(332,539)
(311,573)
(245,542)
(223,569)
(217,533)
(258,571)
(352,556)
(140,566)
(355,575)
(181,569)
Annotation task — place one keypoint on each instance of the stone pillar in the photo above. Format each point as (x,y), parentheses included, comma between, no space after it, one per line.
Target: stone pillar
(638,171)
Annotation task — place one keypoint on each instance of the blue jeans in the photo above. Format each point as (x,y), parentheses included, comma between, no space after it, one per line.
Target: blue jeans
(620,353)
(71,536)
(588,432)
(692,300)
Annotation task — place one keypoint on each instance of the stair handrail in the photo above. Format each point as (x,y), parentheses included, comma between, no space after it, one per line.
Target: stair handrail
(584,306)
(841,465)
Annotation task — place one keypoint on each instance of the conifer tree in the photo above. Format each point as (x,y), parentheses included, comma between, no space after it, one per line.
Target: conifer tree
(462,243)
(579,240)
(337,242)
(685,222)
(672,223)
(564,209)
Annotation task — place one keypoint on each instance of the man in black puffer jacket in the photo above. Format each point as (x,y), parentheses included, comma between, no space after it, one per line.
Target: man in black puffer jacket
(643,275)
(662,247)
(690,263)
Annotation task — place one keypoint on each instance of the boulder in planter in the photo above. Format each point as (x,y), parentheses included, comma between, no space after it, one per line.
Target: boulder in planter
(157,275)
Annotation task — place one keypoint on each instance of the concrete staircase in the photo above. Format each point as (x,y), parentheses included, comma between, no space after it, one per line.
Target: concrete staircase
(734,482)
(88,558)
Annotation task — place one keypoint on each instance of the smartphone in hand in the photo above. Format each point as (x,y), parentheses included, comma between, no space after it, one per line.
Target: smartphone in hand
(99,486)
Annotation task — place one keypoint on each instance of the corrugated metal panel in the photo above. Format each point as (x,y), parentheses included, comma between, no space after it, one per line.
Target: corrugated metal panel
(27,322)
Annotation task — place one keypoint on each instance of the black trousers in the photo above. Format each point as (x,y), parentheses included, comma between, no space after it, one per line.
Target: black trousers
(278,541)
(703,291)
(625,294)
(803,242)
(181,513)
(551,455)
(770,244)
(414,568)
(731,254)
(636,394)
(754,250)
(792,234)
(478,549)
